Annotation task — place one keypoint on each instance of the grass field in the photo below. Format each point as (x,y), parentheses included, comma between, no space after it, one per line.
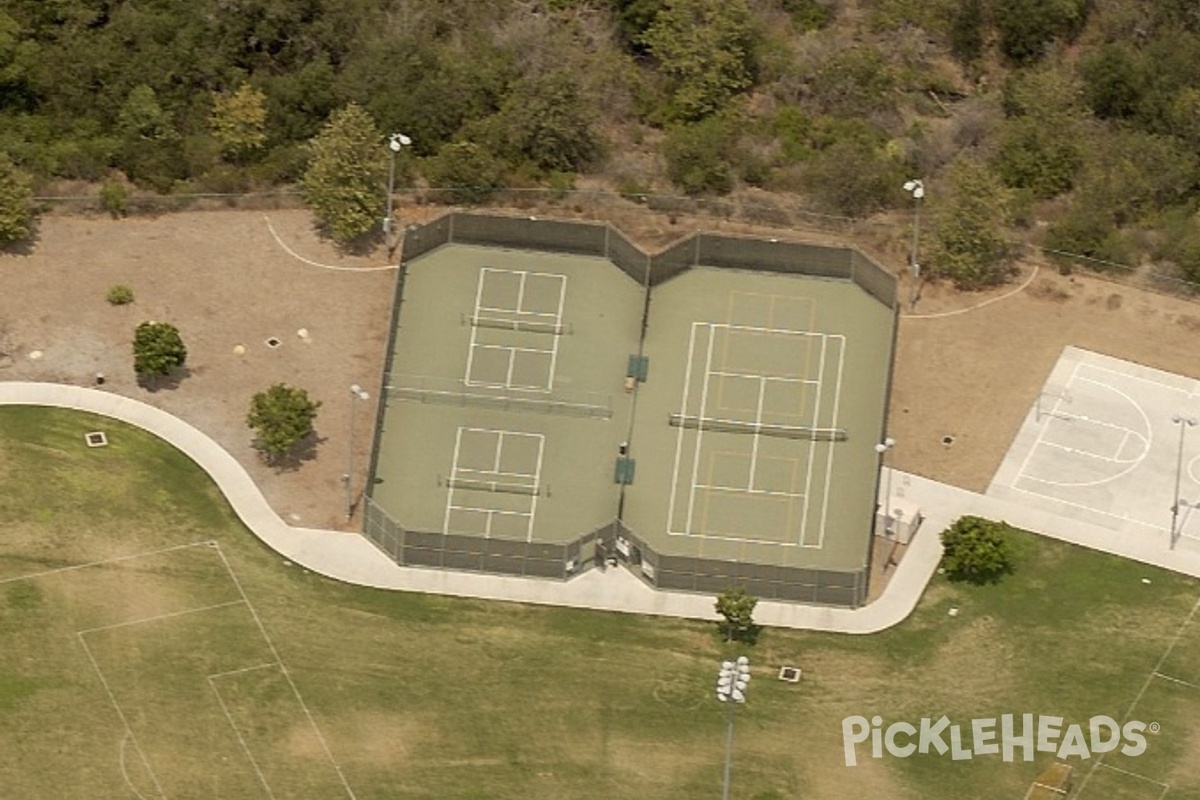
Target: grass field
(150,646)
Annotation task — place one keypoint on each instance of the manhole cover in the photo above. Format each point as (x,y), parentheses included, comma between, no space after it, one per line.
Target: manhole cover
(274,342)
(95,439)
(790,674)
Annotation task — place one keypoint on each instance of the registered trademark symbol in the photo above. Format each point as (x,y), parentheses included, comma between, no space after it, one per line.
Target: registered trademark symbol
(1155,727)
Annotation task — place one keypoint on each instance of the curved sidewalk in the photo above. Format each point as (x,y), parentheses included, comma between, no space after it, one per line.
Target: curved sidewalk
(353,559)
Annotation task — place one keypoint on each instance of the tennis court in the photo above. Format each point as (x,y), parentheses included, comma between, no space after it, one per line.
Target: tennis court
(505,369)
(760,425)
(714,424)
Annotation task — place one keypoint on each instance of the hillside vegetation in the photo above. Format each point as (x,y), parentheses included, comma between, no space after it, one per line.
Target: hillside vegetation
(1074,120)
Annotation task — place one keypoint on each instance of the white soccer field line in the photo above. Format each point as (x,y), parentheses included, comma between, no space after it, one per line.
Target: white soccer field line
(1154,673)
(81,636)
(695,482)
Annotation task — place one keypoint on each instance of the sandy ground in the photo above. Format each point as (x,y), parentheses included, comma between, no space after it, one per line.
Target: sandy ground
(966,368)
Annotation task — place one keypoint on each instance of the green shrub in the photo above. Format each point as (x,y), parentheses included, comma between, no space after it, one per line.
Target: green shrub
(977,550)
(119,295)
(114,198)
(699,156)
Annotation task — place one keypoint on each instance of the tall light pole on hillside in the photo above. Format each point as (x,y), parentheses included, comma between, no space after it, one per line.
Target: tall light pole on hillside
(1184,423)
(396,142)
(732,681)
(916,188)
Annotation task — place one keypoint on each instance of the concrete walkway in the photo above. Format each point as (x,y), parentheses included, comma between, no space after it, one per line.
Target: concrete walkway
(353,559)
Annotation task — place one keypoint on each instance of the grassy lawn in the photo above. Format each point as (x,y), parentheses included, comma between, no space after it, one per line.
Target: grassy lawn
(220,657)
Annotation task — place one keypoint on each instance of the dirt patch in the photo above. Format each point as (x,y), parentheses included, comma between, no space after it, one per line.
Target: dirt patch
(977,373)
(222,278)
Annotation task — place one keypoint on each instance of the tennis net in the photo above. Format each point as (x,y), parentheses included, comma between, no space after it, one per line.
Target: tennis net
(759,428)
(447,391)
(479,485)
(526,325)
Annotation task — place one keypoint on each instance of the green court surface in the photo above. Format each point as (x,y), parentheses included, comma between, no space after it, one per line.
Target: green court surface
(755,434)
(505,404)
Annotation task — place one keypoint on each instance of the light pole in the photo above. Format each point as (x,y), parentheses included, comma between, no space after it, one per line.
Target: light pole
(732,681)
(1184,423)
(916,188)
(358,393)
(395,142)
(882,449)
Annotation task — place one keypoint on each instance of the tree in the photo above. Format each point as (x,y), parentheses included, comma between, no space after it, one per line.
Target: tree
(281,417)
(157,349)
(1027,26)
(238,122)
(699,156)
(548,121)
(1040,153)
(16,198)
(737,607)
(977,550)
(343,183)
(468,170)
(705,48)
(968,228)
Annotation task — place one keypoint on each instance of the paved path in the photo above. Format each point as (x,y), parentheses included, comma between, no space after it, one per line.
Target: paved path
(353,559)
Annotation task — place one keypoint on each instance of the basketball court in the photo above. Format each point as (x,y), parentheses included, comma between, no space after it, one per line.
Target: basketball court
(1112,443)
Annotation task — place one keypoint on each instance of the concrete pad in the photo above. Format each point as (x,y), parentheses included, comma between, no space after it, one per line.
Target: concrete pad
(1101,446)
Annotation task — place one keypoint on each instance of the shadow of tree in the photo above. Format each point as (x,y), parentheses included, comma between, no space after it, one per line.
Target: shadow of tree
(303,451)
(157,383)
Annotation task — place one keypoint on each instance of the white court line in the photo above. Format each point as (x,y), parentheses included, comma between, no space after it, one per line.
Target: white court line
(562,300)
(453,474)
(738,539)
(158,617)
(537,484)
(687,382)
(496,473)
(1086,454)
(1119,374)
(756,329)
(546,314)
(241,739)
(124,721)
(1045,424)
(474,328)
(286,673)
(739,490)
(837,405)
(1082,507)
(779,378)
(490,511)
(102,562)
(521,291)
(762,390)
(812,445)
(1133,464)
(514,349)
(700,430)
